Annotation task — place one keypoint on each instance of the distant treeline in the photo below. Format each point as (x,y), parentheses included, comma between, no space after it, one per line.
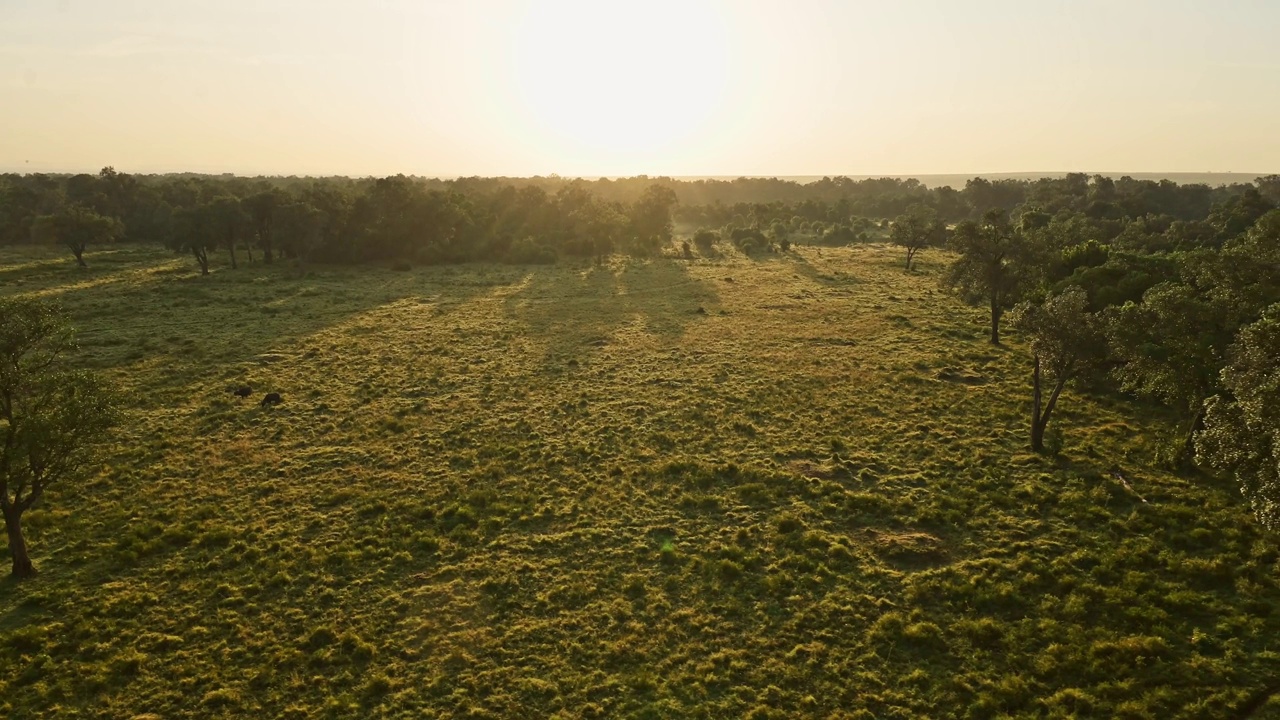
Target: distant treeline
(527,220)
(1158,290)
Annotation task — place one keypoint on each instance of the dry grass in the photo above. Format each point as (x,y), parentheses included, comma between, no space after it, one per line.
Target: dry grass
(792,486)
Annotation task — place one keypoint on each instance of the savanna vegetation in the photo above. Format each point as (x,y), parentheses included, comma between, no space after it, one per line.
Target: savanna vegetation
(639,448)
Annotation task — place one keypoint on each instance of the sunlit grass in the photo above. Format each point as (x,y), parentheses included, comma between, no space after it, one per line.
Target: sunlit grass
(789,486)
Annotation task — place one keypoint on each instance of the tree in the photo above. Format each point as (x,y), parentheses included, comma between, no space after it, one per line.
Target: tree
(1064,339)
(916,230)
(262,208)
(651,217)
(76,227)
(230,222)
(300,228)
(1171,348)
(49,414)
(992,258)
(192,231)
(1241,433)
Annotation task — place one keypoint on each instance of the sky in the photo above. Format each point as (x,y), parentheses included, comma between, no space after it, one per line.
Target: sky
(658,87)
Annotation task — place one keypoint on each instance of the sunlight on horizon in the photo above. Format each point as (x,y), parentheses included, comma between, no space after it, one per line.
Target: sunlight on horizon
(575,87)
(618,87)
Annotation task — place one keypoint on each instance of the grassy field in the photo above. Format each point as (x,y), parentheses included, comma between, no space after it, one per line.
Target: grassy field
(794,486)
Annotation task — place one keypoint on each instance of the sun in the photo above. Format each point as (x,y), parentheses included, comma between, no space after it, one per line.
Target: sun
(614,87)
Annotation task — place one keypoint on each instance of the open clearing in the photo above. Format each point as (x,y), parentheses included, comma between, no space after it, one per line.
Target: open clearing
(790,486)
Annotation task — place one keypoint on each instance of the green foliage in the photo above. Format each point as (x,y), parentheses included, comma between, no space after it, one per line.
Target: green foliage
(705,241)
(76,227)
(1171,346)
(1087,254)
(1242,426)
(749,240)
(1065,338)
(527,251)
(993,260)
(50,413)
(917,229)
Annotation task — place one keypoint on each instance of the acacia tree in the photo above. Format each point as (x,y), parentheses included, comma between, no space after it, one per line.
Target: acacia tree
(916,230)
(1242,425)
(76,227)
(50,414)
(1065,338)
(993,256)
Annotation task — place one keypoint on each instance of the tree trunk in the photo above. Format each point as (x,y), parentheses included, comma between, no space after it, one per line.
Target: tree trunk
(267,256)
(203,259)
(232,246)
(22,567)
(995,319)
(78,251)
(910,254)
(1037,430)
(1040,417)
(1187,457)
(248,249)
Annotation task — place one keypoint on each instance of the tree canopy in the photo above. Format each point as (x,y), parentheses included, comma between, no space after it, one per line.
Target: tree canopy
(50,413)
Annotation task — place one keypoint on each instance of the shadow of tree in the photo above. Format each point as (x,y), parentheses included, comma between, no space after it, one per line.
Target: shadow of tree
(579,310)
(148,320)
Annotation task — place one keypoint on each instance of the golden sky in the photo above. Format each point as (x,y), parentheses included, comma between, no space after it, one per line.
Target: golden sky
(673,87)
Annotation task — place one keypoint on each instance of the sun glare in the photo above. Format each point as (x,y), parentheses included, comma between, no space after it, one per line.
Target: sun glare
(617,89)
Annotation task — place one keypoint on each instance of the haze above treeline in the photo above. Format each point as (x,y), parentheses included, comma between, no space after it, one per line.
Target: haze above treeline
(680,87)
(956,180)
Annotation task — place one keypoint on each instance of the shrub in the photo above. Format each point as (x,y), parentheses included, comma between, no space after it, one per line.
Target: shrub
(528,251)
(705,241)
(749,240)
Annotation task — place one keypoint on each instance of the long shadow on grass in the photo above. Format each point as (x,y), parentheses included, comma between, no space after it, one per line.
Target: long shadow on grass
(578,310)
(166,323)
(178,340)
(49,271)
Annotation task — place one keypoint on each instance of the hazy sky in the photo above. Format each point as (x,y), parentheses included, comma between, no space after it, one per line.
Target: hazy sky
(678,87)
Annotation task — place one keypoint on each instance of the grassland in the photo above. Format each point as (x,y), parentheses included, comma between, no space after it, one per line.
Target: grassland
(784,487)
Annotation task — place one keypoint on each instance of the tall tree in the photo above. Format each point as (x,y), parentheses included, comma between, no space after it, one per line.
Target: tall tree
(300,228)
(230,222)
(916,230)
(1241,432)
(992,259)
(50,414)
(262,209)
(651,217)
(191,230)
(1171,348)
(1065,338)
(77,227)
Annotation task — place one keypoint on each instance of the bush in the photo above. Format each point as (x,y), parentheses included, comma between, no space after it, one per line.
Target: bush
(705,241)
(528,251)
(749,240)
(642,247)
